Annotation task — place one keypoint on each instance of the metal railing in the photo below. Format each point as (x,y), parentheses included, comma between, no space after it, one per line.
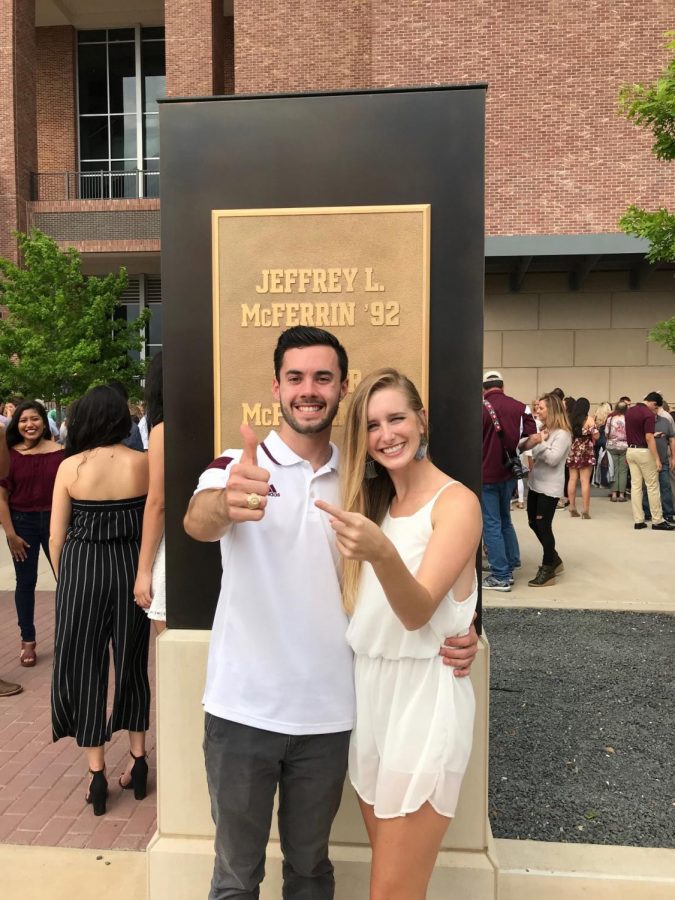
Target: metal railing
(129,185)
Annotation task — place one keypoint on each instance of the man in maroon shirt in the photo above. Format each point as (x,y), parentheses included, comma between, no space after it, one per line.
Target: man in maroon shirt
(644,463)
(515,422)
(7,688)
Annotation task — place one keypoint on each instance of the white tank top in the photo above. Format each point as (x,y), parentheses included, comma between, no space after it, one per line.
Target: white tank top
(375,630)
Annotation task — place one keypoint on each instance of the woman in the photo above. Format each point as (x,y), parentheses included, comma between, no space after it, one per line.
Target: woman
(581,459)
(25,504)
(10,406)
(95,532)
(409,583)
(150,586)
(549,450)
(617,445)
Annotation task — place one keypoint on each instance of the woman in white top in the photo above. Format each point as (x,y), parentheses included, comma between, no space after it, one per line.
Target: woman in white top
(546,482)
(409,536)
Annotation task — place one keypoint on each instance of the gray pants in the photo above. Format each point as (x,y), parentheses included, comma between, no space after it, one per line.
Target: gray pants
(244,765)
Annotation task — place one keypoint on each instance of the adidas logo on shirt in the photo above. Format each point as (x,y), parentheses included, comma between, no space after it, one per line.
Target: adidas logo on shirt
(273,492)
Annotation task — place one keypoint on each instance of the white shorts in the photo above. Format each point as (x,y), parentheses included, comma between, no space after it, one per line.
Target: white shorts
(413,735)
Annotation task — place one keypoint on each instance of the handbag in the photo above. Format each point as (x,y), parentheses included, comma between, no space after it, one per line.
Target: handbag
(511,460)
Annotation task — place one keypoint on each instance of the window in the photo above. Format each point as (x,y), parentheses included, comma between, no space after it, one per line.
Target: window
(144,292)
(121,73)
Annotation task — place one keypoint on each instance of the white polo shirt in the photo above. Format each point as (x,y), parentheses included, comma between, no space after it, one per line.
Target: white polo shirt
(278,658)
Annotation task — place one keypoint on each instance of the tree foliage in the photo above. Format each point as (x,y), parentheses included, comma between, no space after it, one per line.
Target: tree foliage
(653,107)
(61,334)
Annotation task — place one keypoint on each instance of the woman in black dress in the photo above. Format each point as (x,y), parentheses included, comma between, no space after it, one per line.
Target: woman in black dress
(95,532)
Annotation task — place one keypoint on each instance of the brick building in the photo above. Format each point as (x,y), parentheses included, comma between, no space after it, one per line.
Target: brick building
(569,299)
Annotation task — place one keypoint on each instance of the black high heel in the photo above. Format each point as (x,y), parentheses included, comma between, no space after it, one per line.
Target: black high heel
(98,791)
(138,777)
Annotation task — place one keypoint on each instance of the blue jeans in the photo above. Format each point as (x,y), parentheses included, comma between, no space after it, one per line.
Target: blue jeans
(499,534)
(244,766)
(666,494)
(33,527)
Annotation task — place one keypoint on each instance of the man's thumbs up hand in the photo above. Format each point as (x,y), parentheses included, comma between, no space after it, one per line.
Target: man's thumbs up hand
(248,486)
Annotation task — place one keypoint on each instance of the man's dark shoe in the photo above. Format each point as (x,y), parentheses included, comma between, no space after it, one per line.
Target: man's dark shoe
(639,525)
(648,518)
(558,565)
(8,688)
(663,526)
(545,575)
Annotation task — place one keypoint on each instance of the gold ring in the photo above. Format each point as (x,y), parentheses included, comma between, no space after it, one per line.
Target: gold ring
(253,501)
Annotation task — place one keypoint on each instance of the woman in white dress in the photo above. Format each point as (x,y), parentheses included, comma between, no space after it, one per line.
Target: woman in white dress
(408,535)
(150,586)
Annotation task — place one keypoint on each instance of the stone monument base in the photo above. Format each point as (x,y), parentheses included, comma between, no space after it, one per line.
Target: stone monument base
(180,856)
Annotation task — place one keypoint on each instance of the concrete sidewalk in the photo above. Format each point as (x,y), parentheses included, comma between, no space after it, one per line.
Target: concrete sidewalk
(43,784)
(608,565)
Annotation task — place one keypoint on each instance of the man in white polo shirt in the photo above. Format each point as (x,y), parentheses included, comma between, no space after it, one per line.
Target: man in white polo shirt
(279,693)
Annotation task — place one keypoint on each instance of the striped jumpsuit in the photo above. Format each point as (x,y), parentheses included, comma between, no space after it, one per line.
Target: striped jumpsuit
(94,606)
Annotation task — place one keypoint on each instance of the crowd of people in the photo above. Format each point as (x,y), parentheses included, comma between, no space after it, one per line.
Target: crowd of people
(84,503)
(365,589)
(556,449)
(381,569)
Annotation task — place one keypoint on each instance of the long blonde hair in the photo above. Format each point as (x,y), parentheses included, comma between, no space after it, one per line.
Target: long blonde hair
(370,496)
(556,414)
(602,412)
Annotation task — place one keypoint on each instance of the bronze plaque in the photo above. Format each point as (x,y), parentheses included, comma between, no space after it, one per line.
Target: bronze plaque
(361,273)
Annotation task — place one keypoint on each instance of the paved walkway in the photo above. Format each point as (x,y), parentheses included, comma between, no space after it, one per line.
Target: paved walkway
(43,784)
(608,565)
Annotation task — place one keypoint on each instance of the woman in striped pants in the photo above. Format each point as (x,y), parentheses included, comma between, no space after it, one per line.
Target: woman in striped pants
(95,529)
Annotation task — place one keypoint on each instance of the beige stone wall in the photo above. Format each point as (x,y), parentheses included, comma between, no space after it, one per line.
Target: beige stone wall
(591,342)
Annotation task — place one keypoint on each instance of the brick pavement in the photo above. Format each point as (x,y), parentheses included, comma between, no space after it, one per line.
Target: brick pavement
(43,784)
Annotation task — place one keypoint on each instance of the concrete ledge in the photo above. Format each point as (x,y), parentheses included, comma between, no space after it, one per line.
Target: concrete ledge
(181,867)
(28,873)
(530,870)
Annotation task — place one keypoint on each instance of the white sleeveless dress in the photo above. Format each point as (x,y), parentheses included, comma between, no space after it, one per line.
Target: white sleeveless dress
(414,719)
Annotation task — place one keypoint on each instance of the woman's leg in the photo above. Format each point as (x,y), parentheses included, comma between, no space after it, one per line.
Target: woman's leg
(136,751)
(532,506)
(95,758)
(160,626)
(25,525)
(585,476)
(546,507)
(622,473)
(404,854)
(572,488)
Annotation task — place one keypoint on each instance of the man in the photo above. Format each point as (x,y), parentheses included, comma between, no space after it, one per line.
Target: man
(279,695)
(664,438)
(505,422)
(133,440)
(7,688)
(643,461)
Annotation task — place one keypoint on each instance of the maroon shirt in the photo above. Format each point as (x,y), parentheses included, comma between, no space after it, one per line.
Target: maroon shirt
(640,421)
(30,483)
(516,424)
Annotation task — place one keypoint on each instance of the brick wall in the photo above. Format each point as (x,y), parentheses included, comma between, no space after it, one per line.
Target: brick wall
(135,222)
(559,158)
(18,146)
(228,56)
(592,343)
(56,99)
(194,47)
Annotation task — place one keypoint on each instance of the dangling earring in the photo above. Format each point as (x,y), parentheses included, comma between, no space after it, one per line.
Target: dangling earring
(371,471)
(421,452)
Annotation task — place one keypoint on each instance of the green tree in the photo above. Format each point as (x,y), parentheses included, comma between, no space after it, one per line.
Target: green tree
(653,107)
(61,334)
